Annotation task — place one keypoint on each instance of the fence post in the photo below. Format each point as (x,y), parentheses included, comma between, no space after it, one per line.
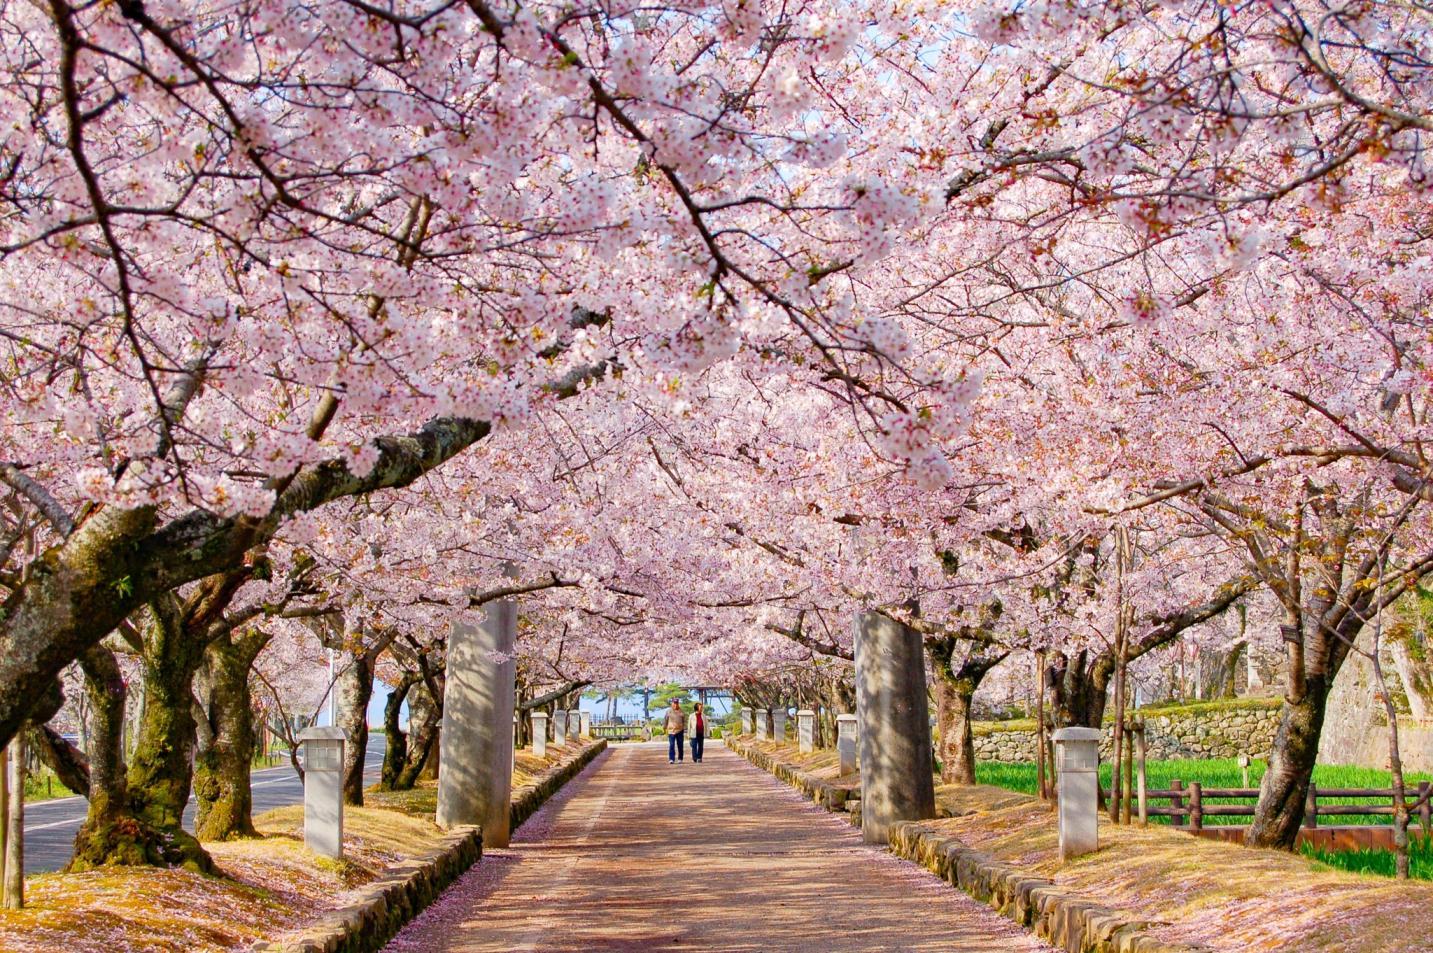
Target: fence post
(1128,761)
(1425,810)
(1141,781)
(1196,806)
(1176,801)
(1244,769)
(1311,807)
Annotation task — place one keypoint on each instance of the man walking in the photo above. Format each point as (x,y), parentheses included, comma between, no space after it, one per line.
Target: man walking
(676,731)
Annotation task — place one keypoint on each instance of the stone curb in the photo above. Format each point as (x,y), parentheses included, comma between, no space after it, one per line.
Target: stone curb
(1067,920)
(405,889)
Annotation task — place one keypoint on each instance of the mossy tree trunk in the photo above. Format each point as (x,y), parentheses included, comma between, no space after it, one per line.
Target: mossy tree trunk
(111,832)
(160,771)
(221,771)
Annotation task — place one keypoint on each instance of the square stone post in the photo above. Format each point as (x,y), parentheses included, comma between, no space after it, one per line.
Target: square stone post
(778,724)
(746,726)
(539,733)
(897,777)
(763,724)
(806,730)
(1077,770)
(846,742)
(322,749)
(574,725)
(585,724)
(559,727)
(475,747)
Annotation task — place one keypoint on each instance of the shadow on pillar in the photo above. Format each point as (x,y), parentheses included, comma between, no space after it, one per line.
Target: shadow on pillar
(476,752)
(896,779)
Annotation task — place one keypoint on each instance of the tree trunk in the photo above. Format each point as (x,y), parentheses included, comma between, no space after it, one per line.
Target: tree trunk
(424,718)
(1411,657)
(1280,810)
(68,762)
(395,753)
(1078,688)
(221,772)
(111,832)
(955,744)
(161,770)
(355,690)
(955,688)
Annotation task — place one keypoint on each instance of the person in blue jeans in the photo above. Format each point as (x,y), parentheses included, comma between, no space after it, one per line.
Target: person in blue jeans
(676,725)
(697,728)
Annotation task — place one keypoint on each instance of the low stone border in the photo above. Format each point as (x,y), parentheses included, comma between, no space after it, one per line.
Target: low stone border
(832,797)
(392,900)
(528,798)
(1067,920)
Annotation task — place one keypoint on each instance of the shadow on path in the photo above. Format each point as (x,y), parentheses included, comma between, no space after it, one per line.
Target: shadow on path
(637,854)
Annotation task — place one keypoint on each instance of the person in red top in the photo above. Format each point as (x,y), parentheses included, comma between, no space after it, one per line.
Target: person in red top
(697,728)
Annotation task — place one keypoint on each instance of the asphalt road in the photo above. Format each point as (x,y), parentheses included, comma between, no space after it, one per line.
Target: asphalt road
(50,826)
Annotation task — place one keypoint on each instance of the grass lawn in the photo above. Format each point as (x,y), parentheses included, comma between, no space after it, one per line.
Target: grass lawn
(1219,773)
(1379,862)
(44,786)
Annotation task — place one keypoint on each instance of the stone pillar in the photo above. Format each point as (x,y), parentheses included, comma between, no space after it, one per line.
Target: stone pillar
(322,749)
(585,724)
(746,726)
(475,746)
(574,725)
(806,730)
(539,733)
(778,724)
(763,724)
(1077,768)
(846,742)
(897,780)
(559,727)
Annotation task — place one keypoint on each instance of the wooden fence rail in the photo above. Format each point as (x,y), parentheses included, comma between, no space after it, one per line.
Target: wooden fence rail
(1189,806)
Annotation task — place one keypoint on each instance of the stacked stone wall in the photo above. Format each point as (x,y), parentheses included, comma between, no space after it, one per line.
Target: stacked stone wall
(1199,731)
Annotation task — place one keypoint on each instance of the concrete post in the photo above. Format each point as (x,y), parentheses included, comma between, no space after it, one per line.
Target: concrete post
(897,781)
(806,730)
(559,727)
(778,724)
(539,733)
(1077,768)
(763,724)
(846,742)
(574,725)
(322,750)
(475,746)
(746,726)
(585,724)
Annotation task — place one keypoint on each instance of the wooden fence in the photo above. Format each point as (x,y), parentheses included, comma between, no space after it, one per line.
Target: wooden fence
(1188,805)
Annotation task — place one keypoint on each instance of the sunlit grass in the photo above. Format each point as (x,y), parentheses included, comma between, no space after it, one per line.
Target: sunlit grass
(1378,861)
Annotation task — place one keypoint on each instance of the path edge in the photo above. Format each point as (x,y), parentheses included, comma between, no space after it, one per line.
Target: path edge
(406,889)
(1070,921)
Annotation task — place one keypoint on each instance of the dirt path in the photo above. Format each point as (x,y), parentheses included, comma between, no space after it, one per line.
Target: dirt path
(637,854)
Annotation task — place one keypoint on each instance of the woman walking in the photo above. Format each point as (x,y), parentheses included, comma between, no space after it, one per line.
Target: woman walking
(676,725)
(697,727)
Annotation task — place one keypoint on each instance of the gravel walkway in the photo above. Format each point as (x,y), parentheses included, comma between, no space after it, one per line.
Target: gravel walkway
(637,854)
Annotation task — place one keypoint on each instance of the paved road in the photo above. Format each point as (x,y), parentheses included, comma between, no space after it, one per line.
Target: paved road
(50,826)
(637,854)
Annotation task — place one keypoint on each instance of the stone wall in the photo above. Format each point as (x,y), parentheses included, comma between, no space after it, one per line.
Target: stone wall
(1214,730)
